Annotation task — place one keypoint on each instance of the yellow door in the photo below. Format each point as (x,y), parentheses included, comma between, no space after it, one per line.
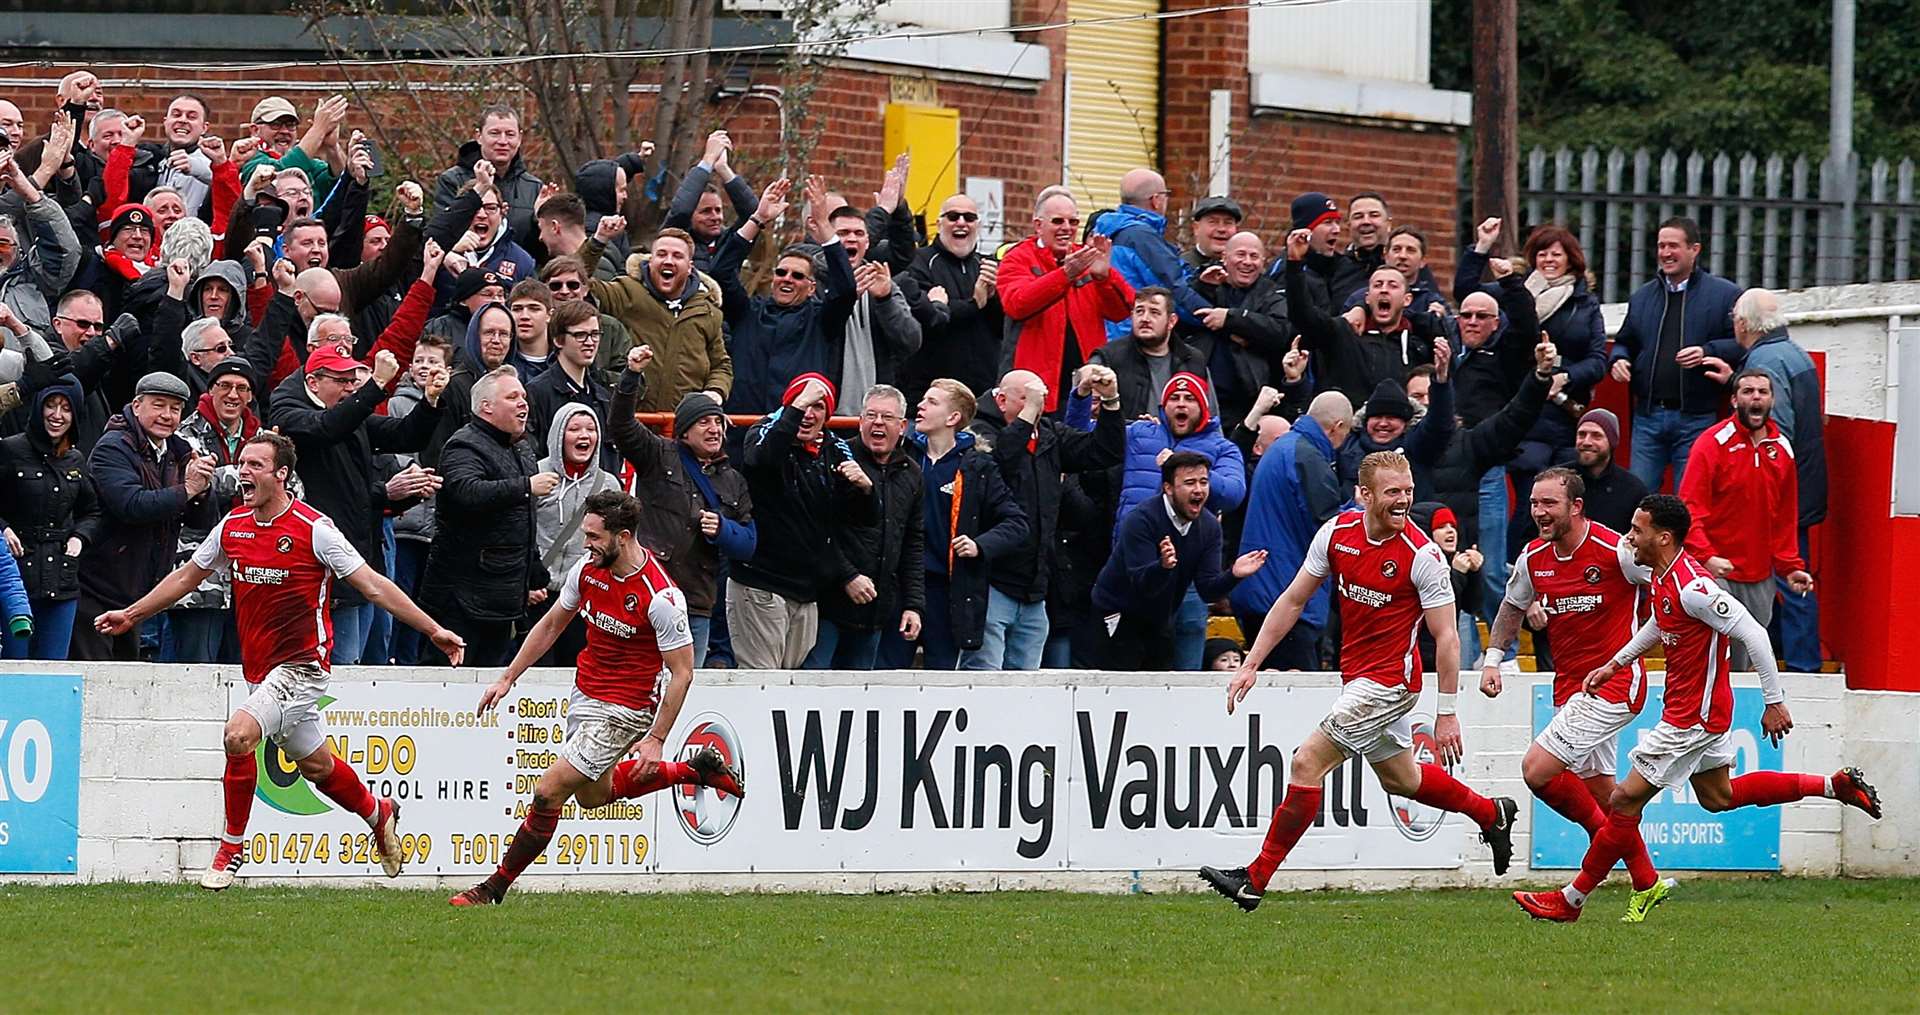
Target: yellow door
(1113,98)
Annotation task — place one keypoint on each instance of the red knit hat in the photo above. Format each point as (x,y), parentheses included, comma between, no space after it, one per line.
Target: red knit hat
(376,222)
(1192,384)
(1443,516)
(799,384)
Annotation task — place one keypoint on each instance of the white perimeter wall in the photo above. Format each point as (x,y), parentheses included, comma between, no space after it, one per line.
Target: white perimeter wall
(151,762)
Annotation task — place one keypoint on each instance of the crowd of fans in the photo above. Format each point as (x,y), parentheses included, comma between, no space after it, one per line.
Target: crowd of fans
(1069,451)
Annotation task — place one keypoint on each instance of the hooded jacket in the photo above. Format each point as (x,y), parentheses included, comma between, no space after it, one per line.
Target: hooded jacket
(688,335)
(45,259)
(686,198)
(771,344)
(167,350)
(1042,307)
(519,188)
(1145,258)
(663,481)
(1147,438)
(144,502)
(48,497)
(553,513)
(595,181)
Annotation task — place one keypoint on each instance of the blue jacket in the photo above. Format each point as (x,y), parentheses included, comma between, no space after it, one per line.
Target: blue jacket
(770,344)
(1141,479)
(1799,406)
(1708,323)
(1134,584)
(13,592)
(1294,493)
(1143,257)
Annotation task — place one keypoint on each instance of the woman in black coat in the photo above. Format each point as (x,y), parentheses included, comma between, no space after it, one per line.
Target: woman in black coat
(50,512)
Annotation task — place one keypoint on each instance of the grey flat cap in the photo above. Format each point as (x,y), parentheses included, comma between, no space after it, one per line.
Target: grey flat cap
(162,383)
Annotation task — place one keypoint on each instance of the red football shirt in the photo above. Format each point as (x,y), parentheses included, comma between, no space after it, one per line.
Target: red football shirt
(1696,616)
(1384,589)
(283,572)
(1590,599)
(631,620)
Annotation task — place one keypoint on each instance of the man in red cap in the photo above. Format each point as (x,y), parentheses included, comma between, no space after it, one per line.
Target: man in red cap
(799,477)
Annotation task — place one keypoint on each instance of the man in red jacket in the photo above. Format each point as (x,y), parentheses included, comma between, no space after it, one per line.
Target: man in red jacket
(1744,494)
(1058,297)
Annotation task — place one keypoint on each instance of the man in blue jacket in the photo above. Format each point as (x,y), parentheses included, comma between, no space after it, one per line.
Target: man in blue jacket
(1675,324)
(1294,493)
(1799,407)
(1141,252)
(1185,424)
(1164,549)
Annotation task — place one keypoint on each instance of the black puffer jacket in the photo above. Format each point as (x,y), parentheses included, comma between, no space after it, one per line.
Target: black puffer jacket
(670,525)
(884,541)
(797,490)
(965,344)
(336,465)
(46,498)
(482,560)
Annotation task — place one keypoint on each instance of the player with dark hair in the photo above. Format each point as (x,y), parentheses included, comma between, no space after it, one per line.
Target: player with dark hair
(1696,620)
(1582,575)
(284,556)
(631,680)
(1390,579)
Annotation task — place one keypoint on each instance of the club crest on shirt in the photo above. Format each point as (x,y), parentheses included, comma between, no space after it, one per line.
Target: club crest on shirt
(1722,608)
(284,544)
(1666,607)
(632,602)
(1593,574)
(1389,568)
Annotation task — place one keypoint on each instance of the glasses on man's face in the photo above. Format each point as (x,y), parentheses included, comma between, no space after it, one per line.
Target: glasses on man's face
(490,207)
(567,287)
(223,348)
(880,417)
(585,336)
(797,276)
(228,387)
(960,216)
(1065,220)
(82,324)
(1477,315)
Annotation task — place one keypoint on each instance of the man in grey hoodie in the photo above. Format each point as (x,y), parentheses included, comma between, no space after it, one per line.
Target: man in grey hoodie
(573,454)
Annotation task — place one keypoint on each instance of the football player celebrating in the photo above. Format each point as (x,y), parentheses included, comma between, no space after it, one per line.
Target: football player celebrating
(1582,575)
(1390,579)
(631,680)
(1695,620)
(283,557)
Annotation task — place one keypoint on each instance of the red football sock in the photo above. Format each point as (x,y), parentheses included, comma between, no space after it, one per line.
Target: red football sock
(627,782)
(1761,789)
(1619,839)
(528,843)
(236,790)
(1571,799)
(1290,821)
(1438,789)
(343,787)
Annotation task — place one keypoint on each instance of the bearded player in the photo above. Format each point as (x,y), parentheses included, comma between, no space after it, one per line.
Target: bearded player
(1696,620)
(1583,576)
(1390,579)
(284,556)
(631,680)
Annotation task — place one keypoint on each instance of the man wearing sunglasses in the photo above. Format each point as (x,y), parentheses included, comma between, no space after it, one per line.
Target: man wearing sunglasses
(1059,296)
(961,337)
(100,363)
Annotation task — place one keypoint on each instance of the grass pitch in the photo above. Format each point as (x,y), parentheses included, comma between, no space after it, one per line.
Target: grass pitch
(1774,945)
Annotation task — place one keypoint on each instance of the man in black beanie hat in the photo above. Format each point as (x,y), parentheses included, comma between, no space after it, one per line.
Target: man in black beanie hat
(1326,263)
(1387,425)
(697,506)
